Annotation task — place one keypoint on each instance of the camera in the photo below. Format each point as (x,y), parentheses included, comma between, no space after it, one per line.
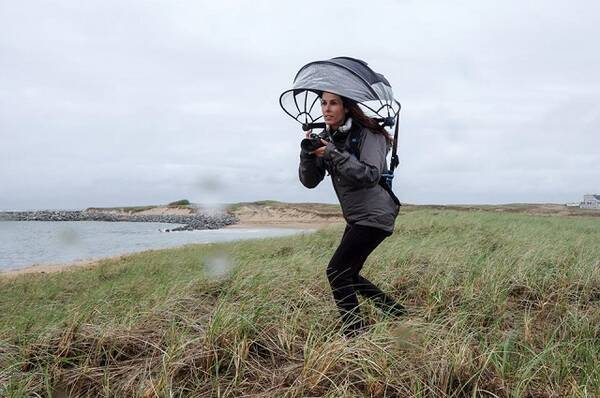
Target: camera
(314,141)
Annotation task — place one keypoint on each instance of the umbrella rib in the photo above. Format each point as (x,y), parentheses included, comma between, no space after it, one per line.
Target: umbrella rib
(313,103)
(296,102)
(283,107)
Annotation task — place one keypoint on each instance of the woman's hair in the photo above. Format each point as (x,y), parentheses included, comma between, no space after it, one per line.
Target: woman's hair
(359,116)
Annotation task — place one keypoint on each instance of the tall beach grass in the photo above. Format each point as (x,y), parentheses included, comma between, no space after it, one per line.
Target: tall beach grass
(504,305)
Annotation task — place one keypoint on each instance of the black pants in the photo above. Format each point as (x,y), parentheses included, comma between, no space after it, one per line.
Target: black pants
(343,273)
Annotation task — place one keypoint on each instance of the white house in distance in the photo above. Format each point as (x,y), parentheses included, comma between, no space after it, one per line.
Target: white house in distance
(590,202)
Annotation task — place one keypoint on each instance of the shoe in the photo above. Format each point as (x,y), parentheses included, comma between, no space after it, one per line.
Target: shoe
(353,327)
(393,309)
(352,331)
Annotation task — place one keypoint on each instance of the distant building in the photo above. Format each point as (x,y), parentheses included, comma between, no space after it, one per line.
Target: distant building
(590,202)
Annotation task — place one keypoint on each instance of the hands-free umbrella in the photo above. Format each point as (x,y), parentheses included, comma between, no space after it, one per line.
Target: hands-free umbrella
(348,77)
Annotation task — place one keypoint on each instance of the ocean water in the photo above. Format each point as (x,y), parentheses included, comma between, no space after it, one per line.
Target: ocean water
(25,243)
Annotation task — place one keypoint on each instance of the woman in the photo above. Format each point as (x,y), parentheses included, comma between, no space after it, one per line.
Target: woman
(368,208)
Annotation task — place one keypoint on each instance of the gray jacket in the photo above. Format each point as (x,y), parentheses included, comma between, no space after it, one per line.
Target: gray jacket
(356,183)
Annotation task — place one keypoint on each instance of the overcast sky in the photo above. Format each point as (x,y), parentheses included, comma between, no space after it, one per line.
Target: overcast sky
(106,103)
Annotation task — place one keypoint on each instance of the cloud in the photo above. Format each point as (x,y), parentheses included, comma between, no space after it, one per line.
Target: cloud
(111,103)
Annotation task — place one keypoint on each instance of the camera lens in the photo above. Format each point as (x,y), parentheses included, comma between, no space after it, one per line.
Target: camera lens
(310,144)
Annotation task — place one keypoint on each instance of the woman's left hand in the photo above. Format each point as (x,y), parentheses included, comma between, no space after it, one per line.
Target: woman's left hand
(320,152)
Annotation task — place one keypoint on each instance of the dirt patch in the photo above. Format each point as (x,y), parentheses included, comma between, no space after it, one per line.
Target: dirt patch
(288,215)
(151,211)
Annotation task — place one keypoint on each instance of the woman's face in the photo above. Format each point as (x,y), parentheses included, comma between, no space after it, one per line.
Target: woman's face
(333,110)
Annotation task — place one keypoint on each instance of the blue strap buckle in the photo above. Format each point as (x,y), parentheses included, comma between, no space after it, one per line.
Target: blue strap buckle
(387,178)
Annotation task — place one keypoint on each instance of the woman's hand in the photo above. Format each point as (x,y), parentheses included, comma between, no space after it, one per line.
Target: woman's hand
(320,152)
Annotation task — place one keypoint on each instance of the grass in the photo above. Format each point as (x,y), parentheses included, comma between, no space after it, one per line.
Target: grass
(236,206)
(499,305)
(179,203)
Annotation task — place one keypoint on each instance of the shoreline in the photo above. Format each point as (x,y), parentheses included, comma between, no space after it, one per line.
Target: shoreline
(55,267)
(78,264)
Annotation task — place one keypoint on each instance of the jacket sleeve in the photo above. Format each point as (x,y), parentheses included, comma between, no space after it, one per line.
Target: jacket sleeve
(363,173)
(311,170)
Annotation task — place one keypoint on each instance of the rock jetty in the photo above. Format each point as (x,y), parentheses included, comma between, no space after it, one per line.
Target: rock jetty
(190,222)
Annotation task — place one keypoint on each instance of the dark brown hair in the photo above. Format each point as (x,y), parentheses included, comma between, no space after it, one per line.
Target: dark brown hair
(359,116)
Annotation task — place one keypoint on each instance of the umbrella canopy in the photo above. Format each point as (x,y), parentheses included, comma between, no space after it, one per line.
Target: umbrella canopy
(348,77)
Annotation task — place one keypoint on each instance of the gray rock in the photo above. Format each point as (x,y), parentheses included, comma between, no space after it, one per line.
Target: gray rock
(191,222)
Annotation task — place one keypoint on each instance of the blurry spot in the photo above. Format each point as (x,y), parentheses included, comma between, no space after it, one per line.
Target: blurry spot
(283,251)
(211,184)
(212,209)
(210,189)
(218,265)
(408,337)
(68,236)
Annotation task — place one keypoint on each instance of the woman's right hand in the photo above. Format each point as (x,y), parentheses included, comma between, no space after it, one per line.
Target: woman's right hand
(320,152)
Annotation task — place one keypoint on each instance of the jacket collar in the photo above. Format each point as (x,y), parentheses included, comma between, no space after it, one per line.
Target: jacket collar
(342,129)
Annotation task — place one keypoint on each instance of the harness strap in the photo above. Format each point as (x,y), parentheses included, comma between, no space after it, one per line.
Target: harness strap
(395,161)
